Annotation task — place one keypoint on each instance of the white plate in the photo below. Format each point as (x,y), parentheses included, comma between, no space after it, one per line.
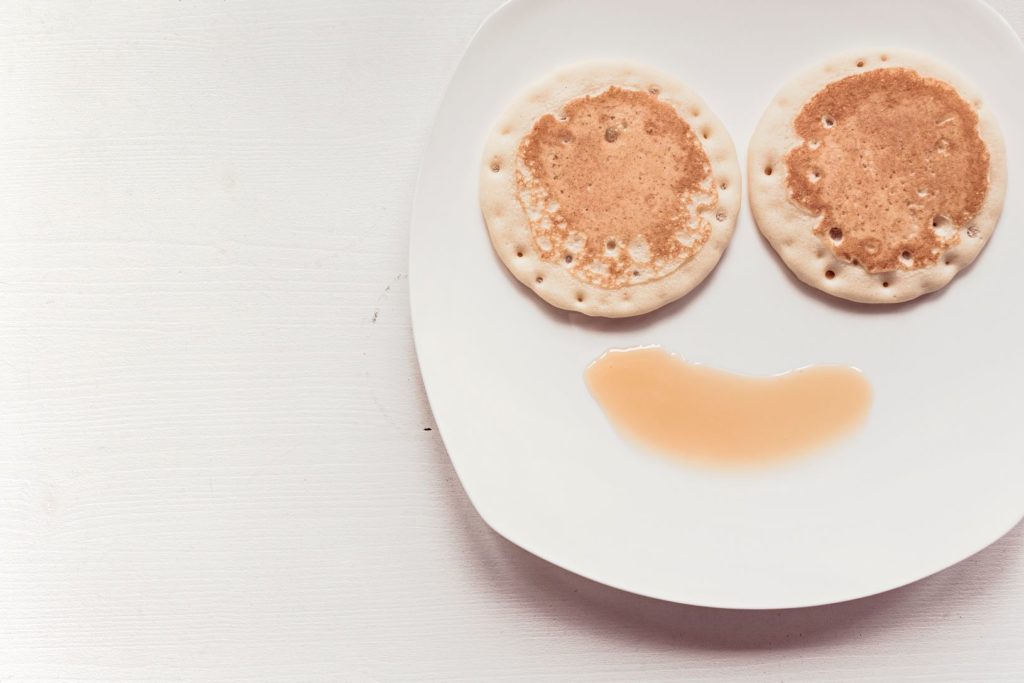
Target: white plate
(936,474)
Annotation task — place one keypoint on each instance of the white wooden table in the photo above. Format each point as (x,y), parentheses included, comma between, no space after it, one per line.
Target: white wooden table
(216,458)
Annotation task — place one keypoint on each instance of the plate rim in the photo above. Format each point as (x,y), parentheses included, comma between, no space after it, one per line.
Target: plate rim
(418,345)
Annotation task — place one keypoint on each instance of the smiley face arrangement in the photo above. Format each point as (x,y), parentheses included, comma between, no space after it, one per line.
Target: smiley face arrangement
(609,189)
(877,177)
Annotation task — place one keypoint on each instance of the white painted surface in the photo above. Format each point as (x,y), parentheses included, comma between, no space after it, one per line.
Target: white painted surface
(212,456)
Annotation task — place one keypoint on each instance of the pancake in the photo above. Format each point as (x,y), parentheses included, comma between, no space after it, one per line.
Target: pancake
(609,189)
(878,176)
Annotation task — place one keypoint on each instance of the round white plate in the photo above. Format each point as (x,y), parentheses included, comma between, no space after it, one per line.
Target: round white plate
(936,474)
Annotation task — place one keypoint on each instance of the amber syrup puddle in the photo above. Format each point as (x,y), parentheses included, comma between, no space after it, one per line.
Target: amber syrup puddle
(690,410)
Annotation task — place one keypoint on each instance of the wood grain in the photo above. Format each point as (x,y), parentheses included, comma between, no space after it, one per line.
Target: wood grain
(215,460)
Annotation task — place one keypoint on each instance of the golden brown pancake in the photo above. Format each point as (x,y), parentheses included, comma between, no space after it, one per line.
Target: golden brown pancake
(616,167)
(876,179)
(609,189)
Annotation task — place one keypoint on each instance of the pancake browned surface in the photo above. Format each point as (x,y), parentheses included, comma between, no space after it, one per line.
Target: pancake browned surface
(609,189)
(877,177)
